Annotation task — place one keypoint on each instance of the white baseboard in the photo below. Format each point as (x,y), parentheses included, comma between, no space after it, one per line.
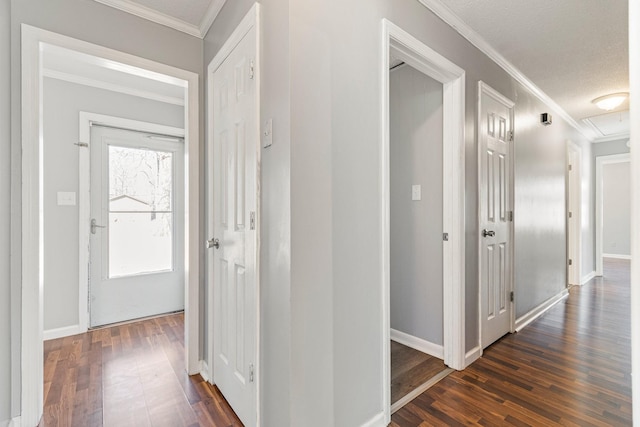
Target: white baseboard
(472,355)
(15,422)
(419,344)
(67,331)
(204,371)
(532,315)
(587,277)
(616,256)
(376,421)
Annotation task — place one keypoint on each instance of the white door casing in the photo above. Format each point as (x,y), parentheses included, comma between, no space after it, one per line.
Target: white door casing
(573,214)
(495,178)
(234,196)
(137,242)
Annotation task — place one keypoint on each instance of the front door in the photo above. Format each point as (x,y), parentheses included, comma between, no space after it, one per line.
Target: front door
(137,225)
(495,139)
(234,240)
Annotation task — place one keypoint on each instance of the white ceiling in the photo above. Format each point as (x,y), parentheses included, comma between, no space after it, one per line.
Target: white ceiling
(573,50)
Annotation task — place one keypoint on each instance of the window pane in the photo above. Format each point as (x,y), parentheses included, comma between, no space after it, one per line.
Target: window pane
(139,180)
(140,243)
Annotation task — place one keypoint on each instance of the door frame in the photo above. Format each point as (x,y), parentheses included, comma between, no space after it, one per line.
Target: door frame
(600,162)
(86,120)
(33,39)
(485,89)
(426,60)
(251,20)
(576,194)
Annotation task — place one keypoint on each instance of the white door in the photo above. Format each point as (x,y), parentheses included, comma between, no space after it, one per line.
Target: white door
(137,225)
(234,240)
(573,216)
(495,148)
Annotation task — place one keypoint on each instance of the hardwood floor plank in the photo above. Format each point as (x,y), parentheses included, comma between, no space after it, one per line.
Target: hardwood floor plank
(570,367)
(128,375)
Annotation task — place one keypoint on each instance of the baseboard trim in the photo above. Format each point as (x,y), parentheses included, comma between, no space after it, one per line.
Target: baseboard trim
(419,344)
(15,422)
(420,389)
(532,315)
(376,421)
(472,355)
(204,371)
(587,277)
(67,331)
(616,256)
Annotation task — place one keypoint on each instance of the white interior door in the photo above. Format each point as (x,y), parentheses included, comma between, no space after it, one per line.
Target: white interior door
(234,240)
(495,145)
(573,216)
(137,225)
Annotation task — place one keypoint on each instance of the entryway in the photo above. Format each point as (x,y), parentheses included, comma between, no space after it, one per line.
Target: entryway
(422,199)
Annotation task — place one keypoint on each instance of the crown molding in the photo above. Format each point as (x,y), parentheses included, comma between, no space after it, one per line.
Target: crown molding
(615,137)
(210,15)
(154,16)
(453,20)
(86,81)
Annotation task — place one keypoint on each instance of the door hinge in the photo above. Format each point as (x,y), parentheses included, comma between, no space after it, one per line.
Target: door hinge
(445,237)
(570,261)
(511,296)
(251,373)
(252,220)
(510,216)
(570,168)
(511,135)
(252,70)
(570,214)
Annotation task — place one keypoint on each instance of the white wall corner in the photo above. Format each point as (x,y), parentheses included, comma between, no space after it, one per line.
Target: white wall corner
(472,355)
(587,277)
(376,421)
(419,344)
(538,311)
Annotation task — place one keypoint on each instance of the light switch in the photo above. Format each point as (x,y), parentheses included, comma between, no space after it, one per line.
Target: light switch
(416,192)
(267,133)
(66,198)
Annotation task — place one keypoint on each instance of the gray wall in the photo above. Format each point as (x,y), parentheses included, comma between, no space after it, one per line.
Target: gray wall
(321,199)
(95,23)
(616,209)
(5,168)
(416,226)
(62,103)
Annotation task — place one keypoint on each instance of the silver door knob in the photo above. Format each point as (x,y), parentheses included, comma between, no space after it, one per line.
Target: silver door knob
(94,226)
(213,243)
(488,233)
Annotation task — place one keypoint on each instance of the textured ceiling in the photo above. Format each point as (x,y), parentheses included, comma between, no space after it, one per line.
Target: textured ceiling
(574,50)
(189,11)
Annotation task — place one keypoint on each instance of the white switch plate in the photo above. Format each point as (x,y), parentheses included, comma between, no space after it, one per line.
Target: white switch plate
(416,192)
(267,133)
(66,198)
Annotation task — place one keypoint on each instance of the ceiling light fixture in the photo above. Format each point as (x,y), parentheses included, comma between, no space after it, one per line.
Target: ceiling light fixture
(609,102)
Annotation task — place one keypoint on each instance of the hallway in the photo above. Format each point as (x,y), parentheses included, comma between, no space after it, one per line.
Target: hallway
(570,367)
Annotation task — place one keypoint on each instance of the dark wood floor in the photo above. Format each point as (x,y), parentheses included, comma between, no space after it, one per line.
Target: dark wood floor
(570,367)
(410,369)
(128,375)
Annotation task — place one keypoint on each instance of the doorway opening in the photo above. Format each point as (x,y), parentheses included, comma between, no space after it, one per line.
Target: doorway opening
(36,43)
(613,207)
(416,292)
(401,47)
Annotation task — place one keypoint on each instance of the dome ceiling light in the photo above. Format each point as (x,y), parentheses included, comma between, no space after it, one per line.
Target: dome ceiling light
(609,102)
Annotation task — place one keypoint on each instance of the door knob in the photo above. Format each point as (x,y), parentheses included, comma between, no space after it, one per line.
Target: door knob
(94,226)
(488,233)
(213,243)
